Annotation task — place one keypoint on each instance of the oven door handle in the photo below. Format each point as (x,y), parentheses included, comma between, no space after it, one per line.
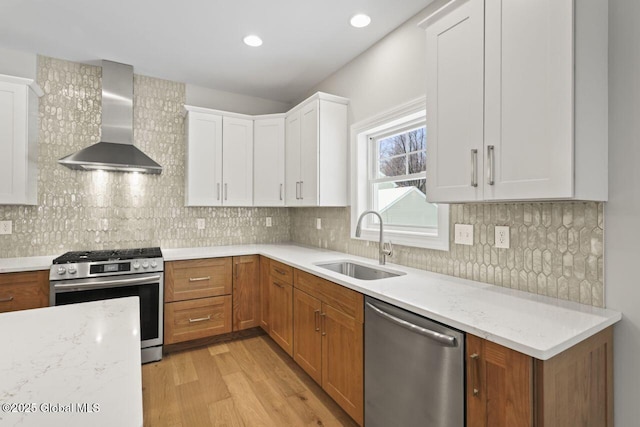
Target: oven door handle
(107,283)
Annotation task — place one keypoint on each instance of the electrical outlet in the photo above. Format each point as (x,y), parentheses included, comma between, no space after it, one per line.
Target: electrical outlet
(502,237)
(200,222)
(319,223)
(463,234)
(269,223)
(6,227)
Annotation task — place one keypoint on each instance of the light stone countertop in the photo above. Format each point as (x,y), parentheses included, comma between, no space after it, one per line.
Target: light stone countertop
(57,359)
(536,325)
(33,263)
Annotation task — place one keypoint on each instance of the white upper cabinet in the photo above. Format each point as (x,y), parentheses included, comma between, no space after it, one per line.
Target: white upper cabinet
(525,84)
(268,161)
(203,170)
(316,152)
(18,140)
(237,161)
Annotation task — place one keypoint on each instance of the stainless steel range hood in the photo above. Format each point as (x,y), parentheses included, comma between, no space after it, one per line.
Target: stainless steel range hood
(115,151)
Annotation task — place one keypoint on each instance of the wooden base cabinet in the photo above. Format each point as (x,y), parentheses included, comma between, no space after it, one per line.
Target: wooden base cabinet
(264,293)
(506,388)
(22,291)
(198,318)
(281,314)
(328,339)
(246,292)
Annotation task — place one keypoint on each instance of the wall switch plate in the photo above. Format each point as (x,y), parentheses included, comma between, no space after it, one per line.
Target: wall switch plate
(502,237)
(269,222)
(463,234)
(200,222)
(319,223)
(6,227)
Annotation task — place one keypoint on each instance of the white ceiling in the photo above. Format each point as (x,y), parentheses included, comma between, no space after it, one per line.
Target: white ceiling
(200,41)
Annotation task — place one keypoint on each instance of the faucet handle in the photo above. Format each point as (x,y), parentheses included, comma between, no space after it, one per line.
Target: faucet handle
(387,248)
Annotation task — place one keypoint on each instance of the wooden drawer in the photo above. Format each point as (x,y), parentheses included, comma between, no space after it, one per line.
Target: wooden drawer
(198,278)
(200,318)
(282,272)
(21,291)
(344,299)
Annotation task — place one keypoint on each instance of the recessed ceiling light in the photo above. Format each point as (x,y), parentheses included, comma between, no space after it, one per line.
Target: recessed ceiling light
(360,20)
(253,41)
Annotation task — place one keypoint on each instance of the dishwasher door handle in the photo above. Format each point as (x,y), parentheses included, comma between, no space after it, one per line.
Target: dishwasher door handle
(443,339)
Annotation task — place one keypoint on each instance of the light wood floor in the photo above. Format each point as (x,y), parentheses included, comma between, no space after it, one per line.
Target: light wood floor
(248,382)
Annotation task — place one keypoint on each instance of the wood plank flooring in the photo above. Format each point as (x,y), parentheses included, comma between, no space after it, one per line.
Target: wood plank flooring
(247,382)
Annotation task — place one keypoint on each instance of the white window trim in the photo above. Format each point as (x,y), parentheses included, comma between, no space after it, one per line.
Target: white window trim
(410,111)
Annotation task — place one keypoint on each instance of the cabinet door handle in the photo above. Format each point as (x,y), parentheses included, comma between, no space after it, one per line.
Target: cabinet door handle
(278,284)
(200,319)
(199,279)
(474,167)
(236,272)
(324,323)
(281,191)
(7,299)
(297,190)
(218,191)
(301,187)
(475,359)
(280,271)
(316,319)
(490,165)
(226,193)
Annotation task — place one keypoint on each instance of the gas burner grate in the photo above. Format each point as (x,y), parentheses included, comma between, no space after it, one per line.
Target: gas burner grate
(108,255)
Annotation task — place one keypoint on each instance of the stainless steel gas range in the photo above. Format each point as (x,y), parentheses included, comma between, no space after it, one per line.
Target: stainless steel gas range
(96,275)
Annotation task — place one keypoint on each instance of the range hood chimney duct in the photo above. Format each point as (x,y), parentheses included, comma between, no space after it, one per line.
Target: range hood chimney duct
(115,151)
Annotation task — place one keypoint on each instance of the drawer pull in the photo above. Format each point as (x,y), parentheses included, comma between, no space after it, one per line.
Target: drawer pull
(280,271)
(278,284)
(199,279)
(200,319)
(7,299)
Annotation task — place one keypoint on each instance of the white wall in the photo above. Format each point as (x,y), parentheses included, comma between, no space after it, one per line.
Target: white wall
(622,212)
(234,102)
(17,63)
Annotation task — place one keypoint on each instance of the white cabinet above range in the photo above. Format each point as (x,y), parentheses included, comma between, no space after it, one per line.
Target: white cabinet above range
(517,100)
(18,140)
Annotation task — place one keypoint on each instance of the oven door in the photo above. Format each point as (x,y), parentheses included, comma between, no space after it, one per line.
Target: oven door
(148,287)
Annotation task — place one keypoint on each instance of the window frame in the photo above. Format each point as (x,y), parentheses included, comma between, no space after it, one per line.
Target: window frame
(405,116)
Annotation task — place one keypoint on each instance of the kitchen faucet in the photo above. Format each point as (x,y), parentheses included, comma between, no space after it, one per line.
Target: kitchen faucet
(384,249)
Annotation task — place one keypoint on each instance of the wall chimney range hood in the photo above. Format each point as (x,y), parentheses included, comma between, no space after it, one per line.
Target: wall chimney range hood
(115,151)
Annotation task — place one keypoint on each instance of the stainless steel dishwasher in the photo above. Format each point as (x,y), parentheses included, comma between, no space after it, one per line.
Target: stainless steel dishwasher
(413,369)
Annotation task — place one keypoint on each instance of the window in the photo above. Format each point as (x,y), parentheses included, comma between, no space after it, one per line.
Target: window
(389,176)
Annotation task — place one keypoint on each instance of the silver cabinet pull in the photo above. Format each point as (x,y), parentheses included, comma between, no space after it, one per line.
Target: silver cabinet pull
(301,187)
(490,166)
(218,191)
(316,320)
(297,190)
(475,357)
(279,271)
(200,319)
(323,317)
(226,192)
(8,299)
(278,284)
(474,167)
(443,339)
(199,279)
(281,191)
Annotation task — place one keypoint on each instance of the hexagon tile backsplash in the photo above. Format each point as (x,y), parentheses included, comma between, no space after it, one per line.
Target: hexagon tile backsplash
(556,248)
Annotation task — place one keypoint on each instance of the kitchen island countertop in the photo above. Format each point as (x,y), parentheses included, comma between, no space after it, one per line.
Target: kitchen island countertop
(72,365)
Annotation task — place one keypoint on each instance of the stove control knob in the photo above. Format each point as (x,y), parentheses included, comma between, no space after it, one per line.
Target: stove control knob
(136,265)
(145,264)
(72,270)
(154,264)
(61,271)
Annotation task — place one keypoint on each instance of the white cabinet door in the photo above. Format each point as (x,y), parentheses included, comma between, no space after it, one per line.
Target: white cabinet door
(204,160)
(529,99)
(292,159)
(237,160)
(455,95)
(309,142)
(18,141)
(268,162)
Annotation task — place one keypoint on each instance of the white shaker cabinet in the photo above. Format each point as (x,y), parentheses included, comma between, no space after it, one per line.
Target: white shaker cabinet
(525,84)
(18,140)
(237,161)
(316,152)
(268,161)
(219,159)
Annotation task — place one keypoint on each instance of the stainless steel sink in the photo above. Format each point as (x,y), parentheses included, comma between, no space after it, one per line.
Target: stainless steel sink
(359,271)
